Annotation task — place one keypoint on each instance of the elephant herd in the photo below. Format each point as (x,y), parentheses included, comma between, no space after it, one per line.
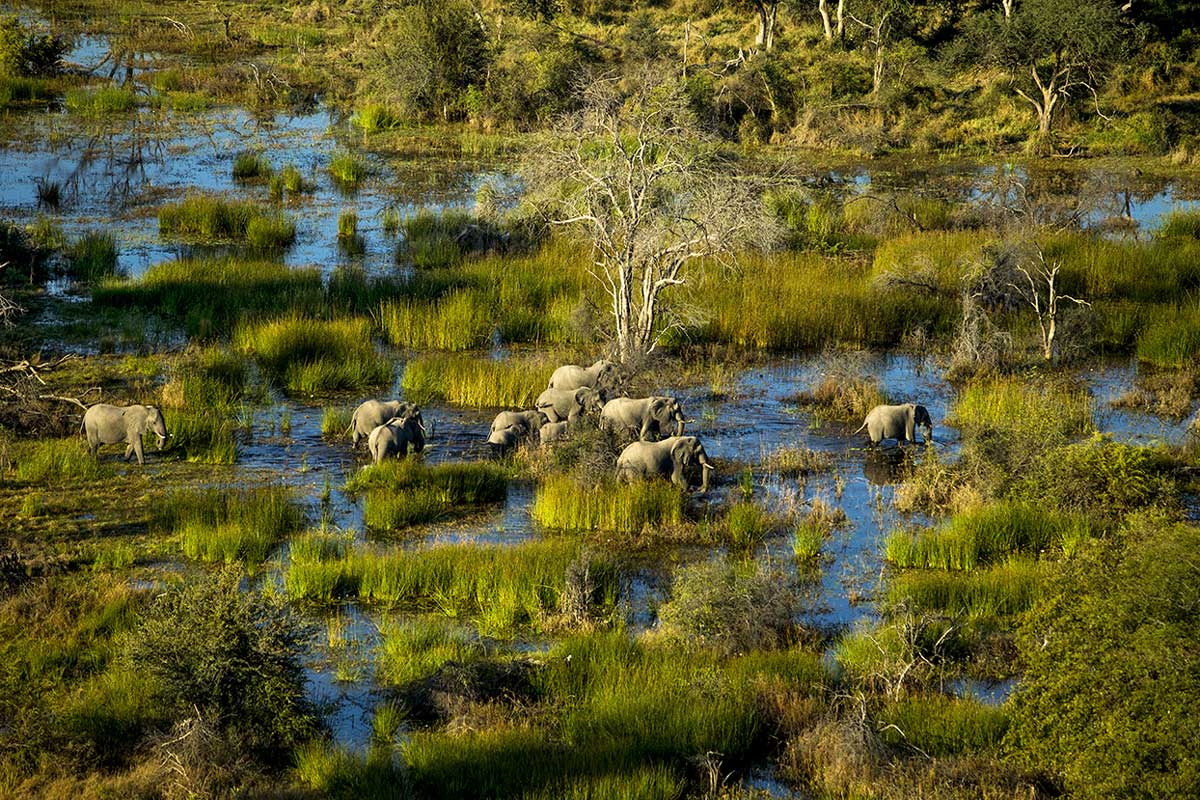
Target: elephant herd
(575,396)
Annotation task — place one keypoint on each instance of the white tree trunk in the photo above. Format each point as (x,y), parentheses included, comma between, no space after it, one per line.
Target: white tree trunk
(823,9)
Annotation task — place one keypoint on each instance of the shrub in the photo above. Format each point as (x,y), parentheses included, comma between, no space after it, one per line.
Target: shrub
(27,53)
(1110,661)
(235,657)
(93,256)
(562,502)
(731,607)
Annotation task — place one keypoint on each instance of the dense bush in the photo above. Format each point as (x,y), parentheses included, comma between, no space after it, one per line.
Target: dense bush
(234,657)
(1112,671)
(26,53)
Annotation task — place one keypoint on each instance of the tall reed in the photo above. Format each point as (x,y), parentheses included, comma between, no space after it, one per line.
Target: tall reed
(564,503)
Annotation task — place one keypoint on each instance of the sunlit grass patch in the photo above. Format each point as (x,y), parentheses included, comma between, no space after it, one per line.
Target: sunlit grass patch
(748,524)
(213,218)
(792,462)
(309,356)
(93,256)
(52,461)
(250,166)
(564,503)
(403,493)
(375,117)
(18,89)
(1180,222)
(203,436)
(335,421)
(417,648)
(1097,268)
(461,320)
(987,535)
(210,296)
(100,100)
(338,772)
(842,396)
(1018,409)
(985,595)
(476,382)
(347,170)
(940,725)
(500,588)
(230,524)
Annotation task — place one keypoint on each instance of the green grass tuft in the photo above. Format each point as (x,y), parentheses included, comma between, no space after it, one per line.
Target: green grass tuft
(476,382)
(210,218)
(564,503)
(985,595)
(938,725)
(1014,409)
(461,320)
(54,461)
(417,648)
(230,525)
(310,356)
(347,170)
(251,166)
(94,102)
(93,256)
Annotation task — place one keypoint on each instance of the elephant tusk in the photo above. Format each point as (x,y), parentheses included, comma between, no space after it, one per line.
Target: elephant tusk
(708,466)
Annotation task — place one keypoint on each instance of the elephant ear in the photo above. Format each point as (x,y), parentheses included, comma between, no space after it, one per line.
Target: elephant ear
(680,447)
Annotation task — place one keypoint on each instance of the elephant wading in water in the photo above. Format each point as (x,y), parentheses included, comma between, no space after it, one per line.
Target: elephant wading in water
(509,428)
(396,437)
(668,458)
(105,424)
(373,413)
(600,375)
(561,405)
(645,417)
(897,422)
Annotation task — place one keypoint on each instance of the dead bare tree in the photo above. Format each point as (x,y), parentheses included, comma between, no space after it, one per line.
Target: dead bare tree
(634,177)
(1040,293)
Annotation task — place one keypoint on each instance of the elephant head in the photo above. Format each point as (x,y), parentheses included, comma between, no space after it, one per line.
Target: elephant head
(665,411)
(589,401)
(155,424)
(922,420)
(688,451)
(413,429)
(606,373)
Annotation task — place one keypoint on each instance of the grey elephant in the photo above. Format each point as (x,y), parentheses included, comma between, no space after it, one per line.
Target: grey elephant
(644,417)
(897,422)
(373,413)
(505,439)
(600,375)
(554,431)
(531,421)
(560,405)
(668,458)
(396,437)
(105,424)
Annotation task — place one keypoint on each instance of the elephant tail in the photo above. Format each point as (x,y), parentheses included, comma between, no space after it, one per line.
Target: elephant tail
(860,427)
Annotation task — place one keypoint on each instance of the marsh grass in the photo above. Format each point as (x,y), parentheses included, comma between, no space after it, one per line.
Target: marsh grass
(476,382)
(347,224)
(210,296)
(384,511)
(203,436)
(939,725)
(56,461)
(748,524)
(499,588)
(1171,339)
(564,503)
(1015,409)
(308,356)
(417,648)
(211,218)
(1181,222)
(795,462)
(347,170)
(461,320)
(230,524)
(342,774)
(251,166)
(335,421)
(93,256)
(985,536)
(986,595)
(19,89)
(842,395)
(469,483)
(375,117)
(95,102)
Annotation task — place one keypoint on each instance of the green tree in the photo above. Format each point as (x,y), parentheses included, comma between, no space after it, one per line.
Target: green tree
(1109,698)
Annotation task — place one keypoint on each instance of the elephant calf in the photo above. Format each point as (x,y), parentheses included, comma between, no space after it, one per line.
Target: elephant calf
(668,459)
(105,424)
(897,422)
(395,438)
(554,431)
(505,439)
(373,413)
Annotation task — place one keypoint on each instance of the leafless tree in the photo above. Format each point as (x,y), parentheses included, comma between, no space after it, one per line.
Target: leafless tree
(766,11)
(879,26)
(633,176)
(1039,292)
(8,308)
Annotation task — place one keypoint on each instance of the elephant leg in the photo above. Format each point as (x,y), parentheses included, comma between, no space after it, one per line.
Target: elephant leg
(128,451)
(137,450)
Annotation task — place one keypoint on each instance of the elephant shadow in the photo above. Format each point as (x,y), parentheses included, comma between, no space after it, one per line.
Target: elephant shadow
(883,466)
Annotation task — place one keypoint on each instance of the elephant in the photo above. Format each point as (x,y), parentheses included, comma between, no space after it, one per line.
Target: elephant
(667,458)
(600,375)
(105,424)
(504,439)
(645,417)
(569,404)
(373,413)
(554,431)
(897,422)
(531,421)
(395,437)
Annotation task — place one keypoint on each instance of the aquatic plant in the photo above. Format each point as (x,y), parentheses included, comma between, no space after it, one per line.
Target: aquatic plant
(1171,339)
(343,774)
(54,461)
(565,503)
(461,320)
(375,117)
(464,483)
(347,170)
(100,100)
(335,421)
(416,648)
(308,356)
(476,382)
(216,218)
(347,223)
(1013,408)
(251,166)
(93,256)
(984,595)
(748,524)
(233,524)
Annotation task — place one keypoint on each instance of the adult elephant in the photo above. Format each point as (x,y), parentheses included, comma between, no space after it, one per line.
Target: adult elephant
(530,421)
(645,417)
(897,422)
(105,424)
(561,405)
(668,459)
(373,413)
(600,375)
(396,437)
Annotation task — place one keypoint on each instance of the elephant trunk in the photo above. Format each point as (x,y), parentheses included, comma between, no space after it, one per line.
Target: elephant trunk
(679,421)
